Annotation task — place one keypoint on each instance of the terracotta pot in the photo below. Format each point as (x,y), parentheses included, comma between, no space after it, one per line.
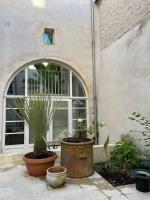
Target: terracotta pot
(77,157)
(56,176)
(38,167)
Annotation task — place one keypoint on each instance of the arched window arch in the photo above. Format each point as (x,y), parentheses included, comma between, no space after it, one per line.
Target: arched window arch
(48,78)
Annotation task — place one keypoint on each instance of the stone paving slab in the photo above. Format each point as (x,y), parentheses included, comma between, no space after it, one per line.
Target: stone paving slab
(16,184)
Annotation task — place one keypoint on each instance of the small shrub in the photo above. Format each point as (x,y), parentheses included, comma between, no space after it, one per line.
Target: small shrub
(124,155)
(144,164)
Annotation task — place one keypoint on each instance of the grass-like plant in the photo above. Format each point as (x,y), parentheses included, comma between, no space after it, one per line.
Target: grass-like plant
(37,112)
(108,163)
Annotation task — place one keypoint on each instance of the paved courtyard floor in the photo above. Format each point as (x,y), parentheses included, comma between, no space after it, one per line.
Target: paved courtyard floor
(16,184)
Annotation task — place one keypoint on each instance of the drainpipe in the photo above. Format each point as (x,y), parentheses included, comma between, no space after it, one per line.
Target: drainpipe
(94,71)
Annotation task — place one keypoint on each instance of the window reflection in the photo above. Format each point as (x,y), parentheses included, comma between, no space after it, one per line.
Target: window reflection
(17,86)
(13,139)
(48,36)
(77,88)
(12,127)
(49,79)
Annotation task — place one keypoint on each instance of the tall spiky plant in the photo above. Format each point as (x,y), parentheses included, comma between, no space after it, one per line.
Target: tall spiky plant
(37,113)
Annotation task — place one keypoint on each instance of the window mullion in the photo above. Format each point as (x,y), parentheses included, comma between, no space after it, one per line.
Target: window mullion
(70,83)
(4,128)
(26,82)
(70,116)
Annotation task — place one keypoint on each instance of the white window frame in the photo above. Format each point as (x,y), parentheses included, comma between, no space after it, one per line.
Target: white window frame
(26,146)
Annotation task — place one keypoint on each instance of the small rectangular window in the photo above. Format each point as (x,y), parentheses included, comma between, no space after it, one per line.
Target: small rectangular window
(48,36)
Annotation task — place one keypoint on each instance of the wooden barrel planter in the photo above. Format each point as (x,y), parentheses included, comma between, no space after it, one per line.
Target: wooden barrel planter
(77,157)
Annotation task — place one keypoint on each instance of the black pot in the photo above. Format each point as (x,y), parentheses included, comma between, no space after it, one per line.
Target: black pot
(142,180)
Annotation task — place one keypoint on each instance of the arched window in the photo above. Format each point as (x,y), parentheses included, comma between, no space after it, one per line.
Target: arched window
(48,78)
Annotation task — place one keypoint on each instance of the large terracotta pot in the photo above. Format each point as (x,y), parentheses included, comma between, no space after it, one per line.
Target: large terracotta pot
(38,167)
(77,157)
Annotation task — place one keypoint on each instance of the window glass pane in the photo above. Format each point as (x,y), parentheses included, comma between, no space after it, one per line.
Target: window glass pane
(77,88)
(12,127)
(78,113)
(33,81)
(64,80)
(14,139)
(75,124)
(11,116)
(48,39)
(60,104)
(48,36)
(78,103)
(11,103)
(17,86)
(49,79)
(60,125)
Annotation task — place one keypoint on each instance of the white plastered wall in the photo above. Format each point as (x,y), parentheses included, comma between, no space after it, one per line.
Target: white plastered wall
(22,26)
(124,74)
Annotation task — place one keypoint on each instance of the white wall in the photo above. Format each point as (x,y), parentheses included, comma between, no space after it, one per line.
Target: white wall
(22,23)
(123,82)
(122,68)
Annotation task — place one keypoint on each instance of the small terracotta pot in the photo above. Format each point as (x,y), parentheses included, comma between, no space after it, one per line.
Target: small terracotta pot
(56,176)
(38,167)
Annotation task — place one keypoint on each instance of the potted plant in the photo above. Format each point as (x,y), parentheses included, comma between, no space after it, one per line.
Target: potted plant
(77,152)
(37,113)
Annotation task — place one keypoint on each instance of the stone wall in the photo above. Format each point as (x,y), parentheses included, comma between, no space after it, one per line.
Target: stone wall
(116,17)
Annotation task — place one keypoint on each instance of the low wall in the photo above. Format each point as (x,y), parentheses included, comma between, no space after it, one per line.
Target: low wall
(7,160)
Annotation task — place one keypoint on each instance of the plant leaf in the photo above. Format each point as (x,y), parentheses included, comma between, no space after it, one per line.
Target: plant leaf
(106,143)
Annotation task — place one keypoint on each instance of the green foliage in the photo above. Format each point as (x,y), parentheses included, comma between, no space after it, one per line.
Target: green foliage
(106,145)
(37,113)
(83,132)
(144,164)
(124,155)
(81,127)
(145,124)
(91,130)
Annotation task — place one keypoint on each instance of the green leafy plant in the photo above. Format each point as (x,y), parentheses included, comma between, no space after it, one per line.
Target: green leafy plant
(83,131)
(144,131)
(37,113)
(145,125)
(124,155)
(81,127)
